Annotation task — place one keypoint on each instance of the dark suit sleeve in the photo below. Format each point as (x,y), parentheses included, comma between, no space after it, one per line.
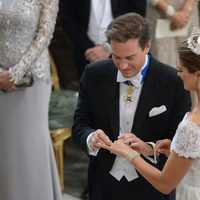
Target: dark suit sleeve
(73,27)
(82,118)
(120,7)
(138,6)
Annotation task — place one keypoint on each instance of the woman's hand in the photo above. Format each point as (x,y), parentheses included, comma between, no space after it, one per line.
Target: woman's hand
(136,144)
(118,147)
(5,83)
(96,53)
(179,20)
(163,147)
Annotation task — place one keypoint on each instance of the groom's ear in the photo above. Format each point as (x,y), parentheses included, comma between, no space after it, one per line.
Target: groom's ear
(147,47)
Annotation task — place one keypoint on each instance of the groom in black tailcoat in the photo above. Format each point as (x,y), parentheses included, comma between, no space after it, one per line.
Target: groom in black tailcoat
(130,93)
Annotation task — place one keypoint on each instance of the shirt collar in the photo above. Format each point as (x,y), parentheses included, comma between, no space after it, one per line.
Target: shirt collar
(137,79)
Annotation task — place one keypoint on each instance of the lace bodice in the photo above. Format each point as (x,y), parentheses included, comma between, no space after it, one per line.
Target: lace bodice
(186,141)
(26,28)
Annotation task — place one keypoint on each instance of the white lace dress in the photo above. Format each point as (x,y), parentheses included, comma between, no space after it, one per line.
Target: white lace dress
(186,143)
(27,164)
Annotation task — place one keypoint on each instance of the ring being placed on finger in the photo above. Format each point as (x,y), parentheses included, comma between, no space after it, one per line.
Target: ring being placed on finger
(109,144)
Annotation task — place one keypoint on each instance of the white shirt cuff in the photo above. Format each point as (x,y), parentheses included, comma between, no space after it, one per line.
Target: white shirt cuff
(155,158)
(91,152)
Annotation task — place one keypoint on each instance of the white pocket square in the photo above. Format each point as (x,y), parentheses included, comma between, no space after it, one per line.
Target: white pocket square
(157,110)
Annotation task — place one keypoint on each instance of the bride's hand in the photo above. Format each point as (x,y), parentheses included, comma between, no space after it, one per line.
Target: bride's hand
(136,143)
(163,147)
(118,147)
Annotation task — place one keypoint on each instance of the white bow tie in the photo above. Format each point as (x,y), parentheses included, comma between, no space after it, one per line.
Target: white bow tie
(136,80)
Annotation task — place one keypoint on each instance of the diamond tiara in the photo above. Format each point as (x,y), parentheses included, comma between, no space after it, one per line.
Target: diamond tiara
(194,41)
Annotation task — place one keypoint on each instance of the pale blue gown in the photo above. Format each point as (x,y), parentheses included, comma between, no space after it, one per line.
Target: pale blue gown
(27,163)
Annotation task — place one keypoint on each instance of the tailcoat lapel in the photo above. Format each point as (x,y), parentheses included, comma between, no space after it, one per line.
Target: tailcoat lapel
(152,87)
(110,96)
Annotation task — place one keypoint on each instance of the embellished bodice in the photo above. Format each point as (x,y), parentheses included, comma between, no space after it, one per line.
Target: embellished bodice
(186,143)
(26,28)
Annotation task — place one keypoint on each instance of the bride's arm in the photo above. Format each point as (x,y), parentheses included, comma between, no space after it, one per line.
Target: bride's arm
(177,165)
(166,180)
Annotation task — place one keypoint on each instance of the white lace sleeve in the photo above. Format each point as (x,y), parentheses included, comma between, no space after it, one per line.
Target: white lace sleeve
(186,141)
(46,25)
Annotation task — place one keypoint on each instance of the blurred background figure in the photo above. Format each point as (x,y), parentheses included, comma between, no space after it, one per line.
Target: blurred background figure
(28,169)
(85,23)
(179,13)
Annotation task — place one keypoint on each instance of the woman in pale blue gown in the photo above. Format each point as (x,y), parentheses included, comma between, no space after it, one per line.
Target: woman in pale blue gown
(27,164)
(182,168)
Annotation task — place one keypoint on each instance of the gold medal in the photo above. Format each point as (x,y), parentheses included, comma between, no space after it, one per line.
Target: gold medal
(128,97)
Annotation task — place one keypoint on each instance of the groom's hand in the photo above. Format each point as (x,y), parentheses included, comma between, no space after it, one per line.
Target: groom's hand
(136,144)
(99,137)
